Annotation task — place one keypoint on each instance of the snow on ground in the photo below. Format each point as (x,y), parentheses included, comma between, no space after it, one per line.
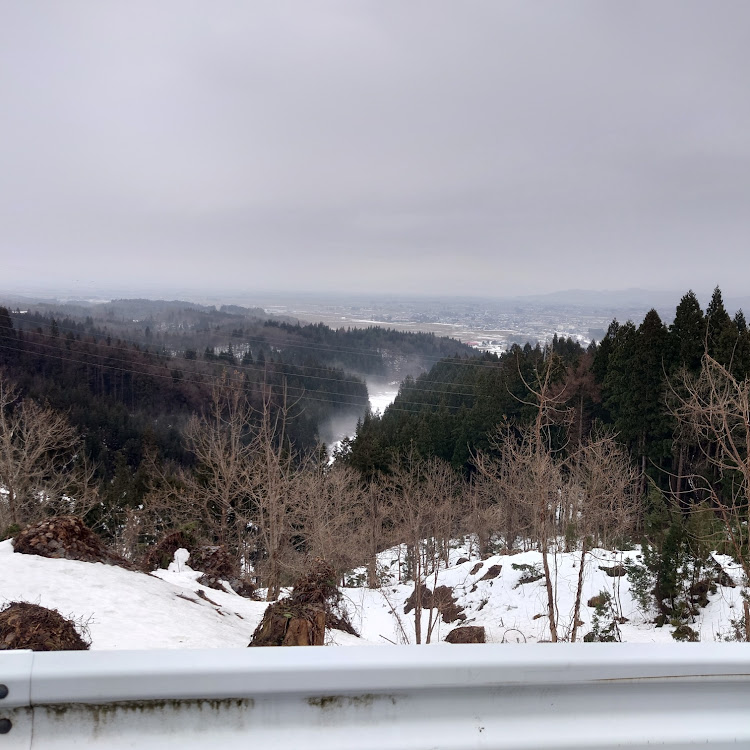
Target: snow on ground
(124,609)
(516,612)
(168,609)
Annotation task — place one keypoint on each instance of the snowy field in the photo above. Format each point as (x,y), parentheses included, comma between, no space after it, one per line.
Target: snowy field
(512,611)
(131,610)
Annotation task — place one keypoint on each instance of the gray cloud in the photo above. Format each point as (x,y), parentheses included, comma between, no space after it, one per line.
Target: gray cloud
(399,145)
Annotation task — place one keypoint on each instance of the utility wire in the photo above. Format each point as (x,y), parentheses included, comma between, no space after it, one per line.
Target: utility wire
(205,378)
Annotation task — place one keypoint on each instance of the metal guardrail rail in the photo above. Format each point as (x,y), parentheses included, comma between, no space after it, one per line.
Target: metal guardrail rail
(380,698)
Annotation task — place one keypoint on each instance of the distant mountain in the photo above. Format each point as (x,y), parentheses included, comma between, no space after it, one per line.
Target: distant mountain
(607,298)
(633,299)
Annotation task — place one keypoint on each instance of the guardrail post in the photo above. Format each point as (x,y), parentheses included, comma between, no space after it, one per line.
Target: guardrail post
(15,700)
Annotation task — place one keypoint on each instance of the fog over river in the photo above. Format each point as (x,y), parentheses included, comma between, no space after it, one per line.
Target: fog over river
(381,393)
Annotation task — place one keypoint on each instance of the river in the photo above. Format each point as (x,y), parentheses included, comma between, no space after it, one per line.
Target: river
(381,393)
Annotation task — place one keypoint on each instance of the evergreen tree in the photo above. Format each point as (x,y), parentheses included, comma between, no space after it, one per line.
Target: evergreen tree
(603,352)
(6,324)
(740,322)
(688,333)
(721,334)
(648,388)
(741,359)
(617,388)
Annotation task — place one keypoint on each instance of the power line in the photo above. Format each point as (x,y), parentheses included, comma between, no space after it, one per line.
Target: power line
(259,369)
(329,349)
(204,378)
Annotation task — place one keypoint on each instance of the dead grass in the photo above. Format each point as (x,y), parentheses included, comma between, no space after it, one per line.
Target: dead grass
(29,626)
(65,537)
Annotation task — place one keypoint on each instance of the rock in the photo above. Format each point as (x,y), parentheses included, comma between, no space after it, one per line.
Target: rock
(493,572)
(462,560)
(475,569)
(615,571)
(467,634)
(441,599)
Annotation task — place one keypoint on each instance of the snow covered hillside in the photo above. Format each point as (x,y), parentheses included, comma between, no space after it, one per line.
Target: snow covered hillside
(493,593)
(168,609)
(123,609)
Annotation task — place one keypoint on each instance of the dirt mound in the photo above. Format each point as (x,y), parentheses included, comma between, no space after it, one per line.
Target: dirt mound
(24,625)
(65,537)
(214,561)
(334,622)
(467,634)
(441,599)
(301,618)
(161,554)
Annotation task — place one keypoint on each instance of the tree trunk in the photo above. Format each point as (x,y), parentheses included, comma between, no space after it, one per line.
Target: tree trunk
(274,583)
(372,558)
(642,490)
(550,597)
(483,540)
(12,505)
(579,590)
(372,572)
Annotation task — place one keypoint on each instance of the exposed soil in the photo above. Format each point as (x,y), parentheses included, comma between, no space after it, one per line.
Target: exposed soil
(492,572)
(65,537)
(441,599)
(29,626)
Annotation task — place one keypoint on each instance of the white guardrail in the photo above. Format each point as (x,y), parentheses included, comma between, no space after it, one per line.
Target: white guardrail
(379,698)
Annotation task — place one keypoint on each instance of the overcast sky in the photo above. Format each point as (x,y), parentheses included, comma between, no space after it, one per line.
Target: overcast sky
(396,145)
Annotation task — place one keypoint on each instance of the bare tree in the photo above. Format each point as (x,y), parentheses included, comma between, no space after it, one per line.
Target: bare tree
(220,441)
(715,407)
(497,501)
(551,495)
(38,461)
(377,512)
(420,491)
(270,479)
(602,495)
(327,510)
